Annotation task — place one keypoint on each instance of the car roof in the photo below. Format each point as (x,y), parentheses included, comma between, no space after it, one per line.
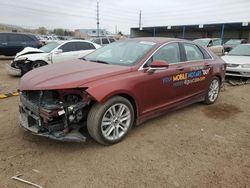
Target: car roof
(18,33)
(158,40)
(207,39)
(77,40)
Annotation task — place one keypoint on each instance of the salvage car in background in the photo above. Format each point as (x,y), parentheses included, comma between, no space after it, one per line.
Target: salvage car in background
(12,43)
(214,44)
(230,44)
(54,52)
(238,61)
(116,86)
(103,40)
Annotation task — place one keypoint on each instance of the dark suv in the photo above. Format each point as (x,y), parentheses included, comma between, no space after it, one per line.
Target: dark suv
(12,43)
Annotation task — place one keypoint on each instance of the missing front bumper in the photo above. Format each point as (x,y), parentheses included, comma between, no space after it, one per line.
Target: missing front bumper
(73,136)
(13,71)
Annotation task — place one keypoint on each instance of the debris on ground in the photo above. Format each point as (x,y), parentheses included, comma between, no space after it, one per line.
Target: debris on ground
(238,82)
(17,177)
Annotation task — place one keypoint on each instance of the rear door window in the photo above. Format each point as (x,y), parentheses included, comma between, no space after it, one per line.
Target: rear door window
(111,40)
(16,38)
(105,41)
(192,52)
(27,38)
(84,46)
(69,47)
(97,41)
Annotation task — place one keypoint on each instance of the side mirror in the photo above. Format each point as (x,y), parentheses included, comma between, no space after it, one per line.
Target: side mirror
(58,51)
(158,65)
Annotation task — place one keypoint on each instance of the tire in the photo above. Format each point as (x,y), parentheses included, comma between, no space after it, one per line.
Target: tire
(108,129)
(37,64)
(213,91)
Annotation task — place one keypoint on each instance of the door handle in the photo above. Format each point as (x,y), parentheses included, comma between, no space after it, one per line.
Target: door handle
(180,68)
(207,65)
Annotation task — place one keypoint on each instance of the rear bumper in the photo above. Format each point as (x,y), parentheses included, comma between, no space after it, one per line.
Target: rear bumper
(32,123)
(13,71)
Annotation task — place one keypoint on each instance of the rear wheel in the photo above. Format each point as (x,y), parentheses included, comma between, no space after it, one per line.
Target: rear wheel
(110,122)
(213,91)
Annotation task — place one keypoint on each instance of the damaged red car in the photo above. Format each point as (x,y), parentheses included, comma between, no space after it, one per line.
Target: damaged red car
(118,86)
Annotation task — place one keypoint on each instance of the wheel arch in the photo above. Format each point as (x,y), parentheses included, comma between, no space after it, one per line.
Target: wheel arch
(126,95)
(31,61)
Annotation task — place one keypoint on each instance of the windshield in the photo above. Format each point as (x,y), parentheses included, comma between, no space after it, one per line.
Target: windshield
(202,42)
(233,42)
(241,50)
(121,53)
(49,47)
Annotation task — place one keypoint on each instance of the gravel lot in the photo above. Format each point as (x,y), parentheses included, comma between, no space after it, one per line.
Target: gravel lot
(198,146)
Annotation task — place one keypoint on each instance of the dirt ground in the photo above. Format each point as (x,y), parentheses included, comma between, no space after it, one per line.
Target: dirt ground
(198,146)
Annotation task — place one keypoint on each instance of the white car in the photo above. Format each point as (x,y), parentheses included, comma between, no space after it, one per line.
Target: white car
(238,61)
(54,52)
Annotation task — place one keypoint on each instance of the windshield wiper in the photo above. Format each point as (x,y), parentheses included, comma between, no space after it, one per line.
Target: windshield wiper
(94,60)
(98,61)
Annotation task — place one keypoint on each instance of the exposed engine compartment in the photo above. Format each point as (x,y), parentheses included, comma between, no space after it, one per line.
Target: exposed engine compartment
(56,112)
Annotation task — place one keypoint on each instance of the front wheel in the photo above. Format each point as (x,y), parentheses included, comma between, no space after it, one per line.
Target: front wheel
(109,123)
(36,64)
(213,91)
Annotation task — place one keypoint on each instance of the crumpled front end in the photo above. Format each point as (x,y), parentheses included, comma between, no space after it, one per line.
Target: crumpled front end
(57,114)
(17,67)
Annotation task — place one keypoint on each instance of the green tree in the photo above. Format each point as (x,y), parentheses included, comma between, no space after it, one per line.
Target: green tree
(42,31)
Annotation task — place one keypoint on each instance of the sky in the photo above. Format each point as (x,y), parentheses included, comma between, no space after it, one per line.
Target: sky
(121,14)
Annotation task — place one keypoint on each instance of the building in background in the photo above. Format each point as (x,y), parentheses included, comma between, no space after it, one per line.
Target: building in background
(91,33)
(225,31)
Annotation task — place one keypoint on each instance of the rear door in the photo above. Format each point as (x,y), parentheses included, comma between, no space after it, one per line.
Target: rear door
(198,71)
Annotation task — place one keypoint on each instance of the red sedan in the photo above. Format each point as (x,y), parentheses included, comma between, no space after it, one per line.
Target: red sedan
(118,86)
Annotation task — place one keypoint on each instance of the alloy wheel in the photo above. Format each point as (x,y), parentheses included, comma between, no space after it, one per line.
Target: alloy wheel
(116,121)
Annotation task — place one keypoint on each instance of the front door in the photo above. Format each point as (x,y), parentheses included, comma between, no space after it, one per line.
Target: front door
(68,53)
(156,89)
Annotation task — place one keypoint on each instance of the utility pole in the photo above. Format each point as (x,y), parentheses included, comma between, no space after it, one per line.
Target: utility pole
(140,21)
(115,29)
(97,19)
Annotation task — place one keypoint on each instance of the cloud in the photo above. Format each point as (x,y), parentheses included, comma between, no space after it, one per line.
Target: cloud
(123,14)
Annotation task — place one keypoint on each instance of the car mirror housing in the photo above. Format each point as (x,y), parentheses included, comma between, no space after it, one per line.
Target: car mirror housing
(158,65)
(58,51)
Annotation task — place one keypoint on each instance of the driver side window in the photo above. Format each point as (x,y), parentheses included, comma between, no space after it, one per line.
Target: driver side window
(169,53)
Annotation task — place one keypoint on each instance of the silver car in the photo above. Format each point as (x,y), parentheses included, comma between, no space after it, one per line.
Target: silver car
(238,61)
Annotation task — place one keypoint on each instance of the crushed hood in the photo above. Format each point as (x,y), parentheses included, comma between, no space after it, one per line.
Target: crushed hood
(68,75)
(29,50)
(231,59)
